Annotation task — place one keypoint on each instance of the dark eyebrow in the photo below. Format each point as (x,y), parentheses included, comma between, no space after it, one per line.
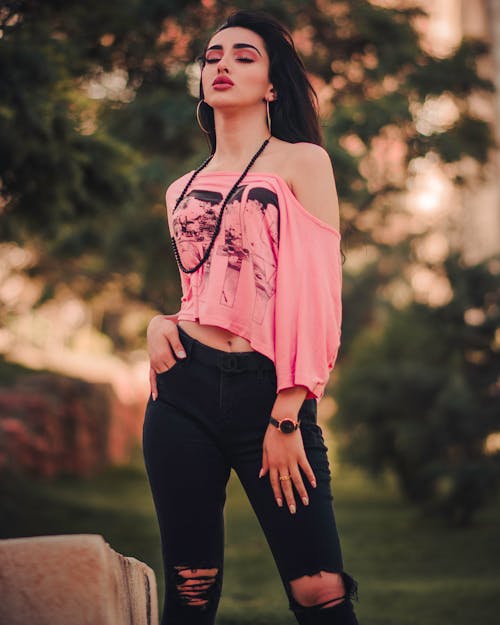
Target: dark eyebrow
(236,45)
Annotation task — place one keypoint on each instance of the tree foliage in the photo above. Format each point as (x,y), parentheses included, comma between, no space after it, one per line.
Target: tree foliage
(419,395)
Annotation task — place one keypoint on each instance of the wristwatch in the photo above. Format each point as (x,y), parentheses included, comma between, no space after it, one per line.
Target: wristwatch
(287,426)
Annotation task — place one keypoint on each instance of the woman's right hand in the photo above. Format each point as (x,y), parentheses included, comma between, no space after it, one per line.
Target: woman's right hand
(163,340)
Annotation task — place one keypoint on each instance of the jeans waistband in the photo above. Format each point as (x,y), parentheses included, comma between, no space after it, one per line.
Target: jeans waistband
(227,361)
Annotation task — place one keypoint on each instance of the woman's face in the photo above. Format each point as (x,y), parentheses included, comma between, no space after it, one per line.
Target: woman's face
(240,55)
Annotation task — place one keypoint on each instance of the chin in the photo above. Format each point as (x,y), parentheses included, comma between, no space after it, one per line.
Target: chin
(224,101)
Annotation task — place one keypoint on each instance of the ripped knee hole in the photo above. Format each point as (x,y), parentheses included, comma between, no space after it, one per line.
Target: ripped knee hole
(309,594)
(194,584)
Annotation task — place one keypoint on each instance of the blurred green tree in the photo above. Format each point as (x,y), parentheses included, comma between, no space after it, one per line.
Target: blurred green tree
(419,395)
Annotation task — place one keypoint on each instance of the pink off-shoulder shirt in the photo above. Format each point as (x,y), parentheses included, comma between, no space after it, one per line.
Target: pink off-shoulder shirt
(274,275)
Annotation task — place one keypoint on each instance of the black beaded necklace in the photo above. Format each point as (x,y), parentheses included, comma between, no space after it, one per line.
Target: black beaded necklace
(219,219)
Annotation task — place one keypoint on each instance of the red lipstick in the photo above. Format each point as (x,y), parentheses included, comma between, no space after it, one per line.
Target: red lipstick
(222,81)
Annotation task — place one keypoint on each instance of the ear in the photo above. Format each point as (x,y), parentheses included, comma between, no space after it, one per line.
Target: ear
(271,94)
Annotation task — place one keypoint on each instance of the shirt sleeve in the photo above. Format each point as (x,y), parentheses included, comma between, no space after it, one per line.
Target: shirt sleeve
(308,307)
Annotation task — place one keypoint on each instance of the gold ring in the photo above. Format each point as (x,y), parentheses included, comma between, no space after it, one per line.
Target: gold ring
(285,477)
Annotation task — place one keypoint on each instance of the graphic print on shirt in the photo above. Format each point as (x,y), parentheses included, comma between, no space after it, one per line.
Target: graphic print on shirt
(244,224)
(194,225)
(261,225)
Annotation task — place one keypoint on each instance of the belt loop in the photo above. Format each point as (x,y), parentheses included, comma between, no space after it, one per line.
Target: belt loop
(230,363)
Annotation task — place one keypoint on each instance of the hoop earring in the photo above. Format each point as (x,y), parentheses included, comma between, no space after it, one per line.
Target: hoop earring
(268,117)
(198,117)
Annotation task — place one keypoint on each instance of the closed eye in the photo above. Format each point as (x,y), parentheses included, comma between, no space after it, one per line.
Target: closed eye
(242,60)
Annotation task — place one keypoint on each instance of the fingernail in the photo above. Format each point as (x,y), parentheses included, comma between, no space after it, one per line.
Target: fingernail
(292,509)
(280,502)
(154,396)
(305,500)
(314,484)
(260,472)
(181,353)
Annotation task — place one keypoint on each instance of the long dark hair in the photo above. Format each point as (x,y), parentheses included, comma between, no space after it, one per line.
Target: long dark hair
(294,113)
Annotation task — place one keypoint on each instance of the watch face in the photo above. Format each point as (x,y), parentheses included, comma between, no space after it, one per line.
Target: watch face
(287,426)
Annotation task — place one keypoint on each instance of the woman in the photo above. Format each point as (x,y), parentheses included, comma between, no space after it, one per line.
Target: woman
(236,374)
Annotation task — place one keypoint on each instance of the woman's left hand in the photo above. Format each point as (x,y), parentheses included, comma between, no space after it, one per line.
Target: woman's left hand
(283,454)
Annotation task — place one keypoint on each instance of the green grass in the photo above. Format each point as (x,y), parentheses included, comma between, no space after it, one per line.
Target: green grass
(411,571)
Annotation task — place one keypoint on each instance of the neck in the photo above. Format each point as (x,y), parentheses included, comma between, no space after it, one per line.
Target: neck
(240,132)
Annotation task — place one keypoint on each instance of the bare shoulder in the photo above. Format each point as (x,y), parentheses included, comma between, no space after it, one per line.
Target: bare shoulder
(289,159)
(311,177)
(308,159)
(306,151)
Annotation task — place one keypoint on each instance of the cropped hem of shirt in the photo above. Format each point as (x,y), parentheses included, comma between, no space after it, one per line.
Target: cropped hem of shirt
(273,276)
(232,327)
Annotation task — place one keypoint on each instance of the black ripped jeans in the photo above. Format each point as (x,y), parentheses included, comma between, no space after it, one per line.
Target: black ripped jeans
(211,415)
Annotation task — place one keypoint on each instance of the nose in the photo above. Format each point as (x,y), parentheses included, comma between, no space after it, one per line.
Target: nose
(221,66)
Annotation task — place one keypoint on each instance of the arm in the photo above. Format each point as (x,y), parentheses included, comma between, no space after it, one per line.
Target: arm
(319,284)
(288,402)
(314,187)
(313,183)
